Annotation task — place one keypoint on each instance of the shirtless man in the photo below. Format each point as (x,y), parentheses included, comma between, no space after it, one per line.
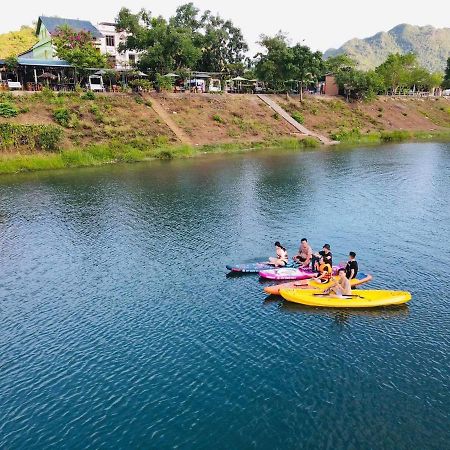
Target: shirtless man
(341,287)
(304,254)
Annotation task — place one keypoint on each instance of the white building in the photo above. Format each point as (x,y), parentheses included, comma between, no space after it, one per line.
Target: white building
(109,44)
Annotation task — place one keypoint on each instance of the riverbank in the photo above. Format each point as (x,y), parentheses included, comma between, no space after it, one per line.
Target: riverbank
(42,131)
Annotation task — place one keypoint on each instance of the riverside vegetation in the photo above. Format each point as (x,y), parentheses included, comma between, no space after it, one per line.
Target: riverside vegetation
(53,131)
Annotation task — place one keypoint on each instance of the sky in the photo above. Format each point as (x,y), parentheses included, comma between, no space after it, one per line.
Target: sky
(320,25)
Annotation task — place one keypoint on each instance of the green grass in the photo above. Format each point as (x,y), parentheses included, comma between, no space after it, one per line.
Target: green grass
(354,136)
(94,155)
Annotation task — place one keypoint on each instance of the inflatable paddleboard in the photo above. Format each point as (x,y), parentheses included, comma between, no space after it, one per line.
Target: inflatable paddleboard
(361,278)
(358,299)
(287,273)
(251,267)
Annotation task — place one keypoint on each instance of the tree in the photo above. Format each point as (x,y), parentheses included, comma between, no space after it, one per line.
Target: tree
(446,82)
(223,44)
(16,42)
(335,64)
(396,70)
(186,41)
(77,48)
(358,84)
(272,66)
(305,66)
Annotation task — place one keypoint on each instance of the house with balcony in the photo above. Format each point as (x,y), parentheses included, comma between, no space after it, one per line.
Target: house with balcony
(109,45)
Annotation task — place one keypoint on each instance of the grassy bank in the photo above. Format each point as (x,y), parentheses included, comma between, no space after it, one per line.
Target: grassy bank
(354,137)
(101,154)
(45,130)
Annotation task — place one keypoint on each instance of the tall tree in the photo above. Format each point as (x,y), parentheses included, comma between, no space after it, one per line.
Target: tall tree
(186,40)
(446,82)
(273,65)
(335,64)
(305,66)
(223,44)
(396,70)
(77,48)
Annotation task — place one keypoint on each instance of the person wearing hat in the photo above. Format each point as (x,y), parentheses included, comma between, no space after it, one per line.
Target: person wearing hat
(327,256)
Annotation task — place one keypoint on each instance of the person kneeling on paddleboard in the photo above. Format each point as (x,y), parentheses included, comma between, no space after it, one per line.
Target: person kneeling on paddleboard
(341,287)
(281,259)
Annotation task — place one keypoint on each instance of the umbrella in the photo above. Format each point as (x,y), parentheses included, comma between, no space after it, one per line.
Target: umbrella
(239,79)
(142,74)
(100,72)
(172,75)
(47,76)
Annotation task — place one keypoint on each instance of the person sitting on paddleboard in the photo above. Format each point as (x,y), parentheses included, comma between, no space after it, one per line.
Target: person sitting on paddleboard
(304,254)
(325,271)
(327,256)
(351,269)
(281,259)
(341,286)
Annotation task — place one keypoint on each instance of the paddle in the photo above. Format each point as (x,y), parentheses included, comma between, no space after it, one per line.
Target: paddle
(342,296)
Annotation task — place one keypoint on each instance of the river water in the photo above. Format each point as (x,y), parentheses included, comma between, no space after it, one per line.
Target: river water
(119,327)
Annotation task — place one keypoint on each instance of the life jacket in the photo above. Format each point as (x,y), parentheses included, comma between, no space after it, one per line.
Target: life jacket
(326,271)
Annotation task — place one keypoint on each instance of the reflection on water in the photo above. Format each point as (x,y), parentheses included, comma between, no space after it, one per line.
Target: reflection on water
(119,328)
(342,315)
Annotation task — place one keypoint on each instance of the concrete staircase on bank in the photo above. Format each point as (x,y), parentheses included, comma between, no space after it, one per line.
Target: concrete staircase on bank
(286,116)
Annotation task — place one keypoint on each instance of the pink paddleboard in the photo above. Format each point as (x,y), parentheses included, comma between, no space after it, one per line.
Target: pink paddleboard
(288,273)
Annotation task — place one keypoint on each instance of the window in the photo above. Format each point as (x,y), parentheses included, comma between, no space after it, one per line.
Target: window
(132,58)
(109,40)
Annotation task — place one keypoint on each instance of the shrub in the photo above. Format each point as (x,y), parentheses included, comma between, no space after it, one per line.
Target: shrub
(276,116)
(160,141)
(395,136)
(218,118)
(44,137)
(62,116)
(309,142)
(98,115)
(8,110)
(298,117)
(347,135)
(163,83)
(144,85)
(89,95)
(165,154)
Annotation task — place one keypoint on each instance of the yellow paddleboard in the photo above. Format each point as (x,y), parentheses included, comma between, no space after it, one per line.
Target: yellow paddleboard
(358,299)
(311,284)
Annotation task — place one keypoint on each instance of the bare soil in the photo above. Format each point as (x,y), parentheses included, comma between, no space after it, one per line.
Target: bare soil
(215,118)
(330,115)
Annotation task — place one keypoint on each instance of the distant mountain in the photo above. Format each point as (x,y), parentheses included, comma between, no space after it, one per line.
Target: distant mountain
(431,45)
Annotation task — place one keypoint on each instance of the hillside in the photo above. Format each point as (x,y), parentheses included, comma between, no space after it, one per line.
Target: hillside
(431,45)
(16,42)
(49,131)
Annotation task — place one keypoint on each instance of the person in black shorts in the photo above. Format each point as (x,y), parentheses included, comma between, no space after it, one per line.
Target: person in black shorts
(351,269)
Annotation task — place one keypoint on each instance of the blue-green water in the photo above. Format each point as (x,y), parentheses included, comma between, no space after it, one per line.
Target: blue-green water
(120,329)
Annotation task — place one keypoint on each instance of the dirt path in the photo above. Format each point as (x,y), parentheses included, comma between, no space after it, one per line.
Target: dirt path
(278,109)
(165,116)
